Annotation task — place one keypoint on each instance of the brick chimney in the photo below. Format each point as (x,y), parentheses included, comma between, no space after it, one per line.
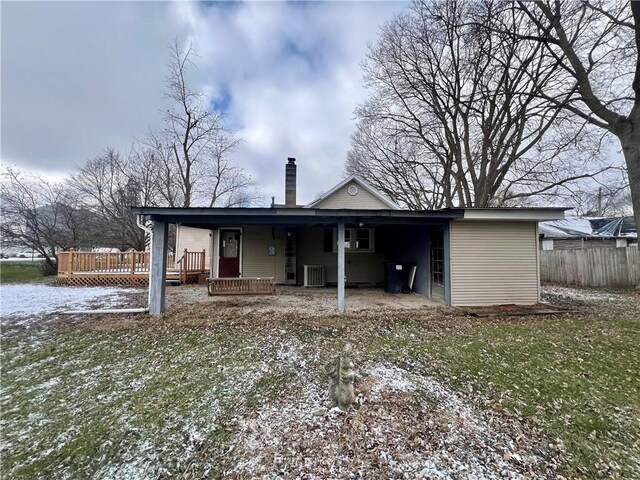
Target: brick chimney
(290,183)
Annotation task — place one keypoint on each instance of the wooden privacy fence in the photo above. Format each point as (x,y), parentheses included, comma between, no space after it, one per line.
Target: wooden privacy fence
(597,267)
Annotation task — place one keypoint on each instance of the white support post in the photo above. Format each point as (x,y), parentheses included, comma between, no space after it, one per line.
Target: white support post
(158,268)
(341,275)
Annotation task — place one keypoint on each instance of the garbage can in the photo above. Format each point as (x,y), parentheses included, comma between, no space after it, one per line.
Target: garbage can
(396,277)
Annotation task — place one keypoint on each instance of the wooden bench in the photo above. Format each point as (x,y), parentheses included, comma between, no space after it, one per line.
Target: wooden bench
(241,286)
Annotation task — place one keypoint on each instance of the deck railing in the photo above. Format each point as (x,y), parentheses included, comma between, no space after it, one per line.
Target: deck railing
(190,262)
(133,263)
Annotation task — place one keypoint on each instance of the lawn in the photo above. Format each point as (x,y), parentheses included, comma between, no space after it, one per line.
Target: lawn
(236,389)
(20,271)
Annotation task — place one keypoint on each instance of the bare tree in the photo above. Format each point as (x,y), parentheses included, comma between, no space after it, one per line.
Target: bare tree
(596,45)
(193,147)
(109,185)
(43,216)
(456,117)
(609,196)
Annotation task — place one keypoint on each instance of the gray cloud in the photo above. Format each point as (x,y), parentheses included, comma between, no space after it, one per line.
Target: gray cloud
(77,77)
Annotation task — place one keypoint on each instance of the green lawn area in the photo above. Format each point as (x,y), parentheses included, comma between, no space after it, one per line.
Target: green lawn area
(212,390)
(577,379)
(20,271)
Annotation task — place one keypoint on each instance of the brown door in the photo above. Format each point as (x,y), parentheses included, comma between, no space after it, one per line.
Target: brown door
(229,266)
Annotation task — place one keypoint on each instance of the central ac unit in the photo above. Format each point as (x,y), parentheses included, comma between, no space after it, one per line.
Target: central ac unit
(314,275)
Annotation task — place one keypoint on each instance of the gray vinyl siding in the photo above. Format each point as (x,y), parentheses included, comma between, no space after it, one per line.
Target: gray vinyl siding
(494,263)
(362,200)
(360,267)
(255,260)
(193,240)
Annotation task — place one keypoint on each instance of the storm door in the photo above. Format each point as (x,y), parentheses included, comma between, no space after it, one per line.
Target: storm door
(437,265)
(229,266)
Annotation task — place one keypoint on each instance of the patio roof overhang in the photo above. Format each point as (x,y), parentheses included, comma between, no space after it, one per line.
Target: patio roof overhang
(216,217)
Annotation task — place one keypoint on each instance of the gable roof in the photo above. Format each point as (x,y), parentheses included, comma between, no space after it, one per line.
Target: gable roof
(354,178)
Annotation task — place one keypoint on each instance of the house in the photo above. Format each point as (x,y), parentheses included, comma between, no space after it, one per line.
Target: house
(355,235)
(581,233)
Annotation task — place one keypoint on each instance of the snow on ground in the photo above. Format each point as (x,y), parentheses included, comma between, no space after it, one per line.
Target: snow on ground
(580,293)
(404,426)
(28,300)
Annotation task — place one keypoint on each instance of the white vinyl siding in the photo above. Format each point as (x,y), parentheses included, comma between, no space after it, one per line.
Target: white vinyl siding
(193,240)
(256,262)
(494,263)
(361,200)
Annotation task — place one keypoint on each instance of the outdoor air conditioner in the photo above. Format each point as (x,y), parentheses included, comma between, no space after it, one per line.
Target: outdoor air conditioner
(314,275)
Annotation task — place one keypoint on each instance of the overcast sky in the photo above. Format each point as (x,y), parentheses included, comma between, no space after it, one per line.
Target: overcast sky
(80,76)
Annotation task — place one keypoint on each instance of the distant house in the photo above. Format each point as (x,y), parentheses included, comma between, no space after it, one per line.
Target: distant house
(354,235)
(579,233)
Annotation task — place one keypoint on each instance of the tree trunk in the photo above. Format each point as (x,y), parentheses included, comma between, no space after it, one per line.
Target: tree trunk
(631,149)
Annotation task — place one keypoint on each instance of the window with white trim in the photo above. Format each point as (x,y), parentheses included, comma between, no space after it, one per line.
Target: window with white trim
(356,240)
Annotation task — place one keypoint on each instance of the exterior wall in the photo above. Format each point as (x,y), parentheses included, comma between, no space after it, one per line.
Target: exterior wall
(362,200)
(194,240)
(494,263)
(580,244)
(567,244)
(255,259)
(360,267)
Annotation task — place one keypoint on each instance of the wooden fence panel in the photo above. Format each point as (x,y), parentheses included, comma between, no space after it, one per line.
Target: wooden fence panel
(597,267)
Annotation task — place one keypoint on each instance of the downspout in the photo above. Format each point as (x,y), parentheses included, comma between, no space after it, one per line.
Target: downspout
(142,226)
(123,310)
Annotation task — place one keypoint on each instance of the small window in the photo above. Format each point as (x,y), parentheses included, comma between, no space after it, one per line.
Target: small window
(356,239)
(363,239)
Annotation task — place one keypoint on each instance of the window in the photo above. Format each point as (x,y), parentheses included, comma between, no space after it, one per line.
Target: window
(437,258)
(356,239)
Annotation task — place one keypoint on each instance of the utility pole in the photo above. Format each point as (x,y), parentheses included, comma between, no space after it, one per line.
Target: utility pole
(600,202)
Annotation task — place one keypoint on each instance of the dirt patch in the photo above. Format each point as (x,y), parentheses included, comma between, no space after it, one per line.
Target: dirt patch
(514,310)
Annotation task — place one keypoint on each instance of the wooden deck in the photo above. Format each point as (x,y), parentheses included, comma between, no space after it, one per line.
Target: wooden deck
(125,268)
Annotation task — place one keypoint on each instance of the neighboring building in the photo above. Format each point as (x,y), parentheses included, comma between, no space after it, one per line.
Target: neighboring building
(462,256)
(579,233)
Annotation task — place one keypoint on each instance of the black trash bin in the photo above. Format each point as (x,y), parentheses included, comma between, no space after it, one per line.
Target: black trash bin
(396,277)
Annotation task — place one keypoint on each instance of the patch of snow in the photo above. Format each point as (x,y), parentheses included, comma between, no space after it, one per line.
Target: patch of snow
(27,300)
(302,438)
(580,294)
(391,379)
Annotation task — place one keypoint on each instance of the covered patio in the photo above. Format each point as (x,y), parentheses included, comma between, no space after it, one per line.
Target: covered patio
(287,238)
(296,300)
